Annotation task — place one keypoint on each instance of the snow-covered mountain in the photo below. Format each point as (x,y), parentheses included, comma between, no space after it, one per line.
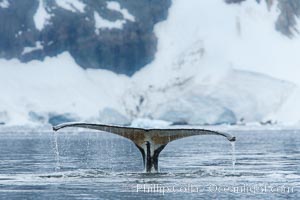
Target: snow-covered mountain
(213,62)
(99,34)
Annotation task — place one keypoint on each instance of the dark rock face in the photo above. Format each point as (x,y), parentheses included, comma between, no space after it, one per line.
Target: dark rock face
(18,17)
(123,50)
(290,9)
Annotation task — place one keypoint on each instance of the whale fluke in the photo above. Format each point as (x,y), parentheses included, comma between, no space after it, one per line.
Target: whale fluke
(150,142)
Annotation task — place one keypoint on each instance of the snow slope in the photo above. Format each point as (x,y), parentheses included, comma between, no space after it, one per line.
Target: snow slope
(57,85)
(240,36)
(38,92)
(202,39)
(225,66)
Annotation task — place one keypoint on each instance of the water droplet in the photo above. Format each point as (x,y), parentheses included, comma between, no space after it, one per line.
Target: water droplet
(233,155)
(56,150)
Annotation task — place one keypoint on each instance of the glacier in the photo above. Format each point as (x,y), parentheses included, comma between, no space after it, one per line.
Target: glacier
(229,66)
(58,90)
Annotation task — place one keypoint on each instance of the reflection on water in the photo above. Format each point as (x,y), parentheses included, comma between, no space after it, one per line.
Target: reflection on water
(89,165)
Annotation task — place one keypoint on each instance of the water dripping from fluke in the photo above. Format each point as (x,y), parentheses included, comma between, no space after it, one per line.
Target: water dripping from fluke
(56,150)
(233,155)
(150,142)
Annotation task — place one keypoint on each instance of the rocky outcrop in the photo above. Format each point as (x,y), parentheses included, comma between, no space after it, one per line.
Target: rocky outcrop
(287,20)
(34,29)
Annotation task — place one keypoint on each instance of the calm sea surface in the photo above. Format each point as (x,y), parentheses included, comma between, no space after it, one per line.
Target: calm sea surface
(97,165)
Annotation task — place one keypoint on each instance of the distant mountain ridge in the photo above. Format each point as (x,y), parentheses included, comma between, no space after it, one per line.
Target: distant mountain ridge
(212,62)
(85,29)
(114,35)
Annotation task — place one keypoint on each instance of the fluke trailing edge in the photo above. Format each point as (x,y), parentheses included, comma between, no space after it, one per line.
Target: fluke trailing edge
(150,142)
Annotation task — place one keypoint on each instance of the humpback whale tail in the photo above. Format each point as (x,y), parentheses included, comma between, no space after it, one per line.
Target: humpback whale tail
(150,142)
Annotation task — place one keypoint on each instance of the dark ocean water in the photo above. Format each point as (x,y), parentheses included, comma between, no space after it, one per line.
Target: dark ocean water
(90,165)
